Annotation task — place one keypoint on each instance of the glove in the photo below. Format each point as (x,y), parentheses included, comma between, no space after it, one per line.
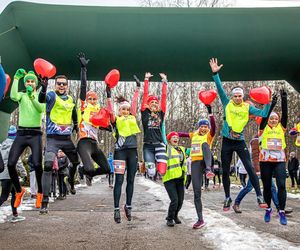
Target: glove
(29,91)
(108,91)
(43,81)
(208,109)
(83,61)
(137,80)
(20,73)
(283,93)
(274,99)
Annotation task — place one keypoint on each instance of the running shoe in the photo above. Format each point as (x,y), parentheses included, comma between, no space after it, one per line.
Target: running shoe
(19,197)
(261,202)
(282,218)
(16,218)
(170,223)
(227,203)
(39,198)
(127,212)
(117,216)
(268,214)
(44,208)
(236,208)
(199,224)
(210,175)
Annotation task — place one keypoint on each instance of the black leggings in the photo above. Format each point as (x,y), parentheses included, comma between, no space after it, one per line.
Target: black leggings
(267,169)
(17,148)
(130,157)
(6,189)
(89,151)
(228,147)
(175,189)
(293,176)
(243,178)
(188,181)
(217,173)
(61,185)
(198,169)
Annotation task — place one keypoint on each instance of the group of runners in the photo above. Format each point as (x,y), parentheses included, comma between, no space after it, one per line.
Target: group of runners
(64,115)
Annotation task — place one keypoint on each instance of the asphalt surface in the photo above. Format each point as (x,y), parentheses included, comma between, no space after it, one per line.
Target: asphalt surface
(85,221)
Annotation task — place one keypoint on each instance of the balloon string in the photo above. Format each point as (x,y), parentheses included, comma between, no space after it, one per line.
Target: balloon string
(13,28)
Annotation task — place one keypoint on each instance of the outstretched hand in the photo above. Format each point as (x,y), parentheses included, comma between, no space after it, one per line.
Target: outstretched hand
(83,61)
(148,75)
(283,93)
(43,80)
(163,77)
(274,99)
(213,62)
(137,80)
(20,73)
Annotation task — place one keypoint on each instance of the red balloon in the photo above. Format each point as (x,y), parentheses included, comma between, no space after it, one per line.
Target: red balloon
(258,120)
(44,68)
(261,95)
(101,119)
(112,78)
(207,96)
(7,83)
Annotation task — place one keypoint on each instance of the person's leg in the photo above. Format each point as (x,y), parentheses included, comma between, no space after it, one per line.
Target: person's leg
(274,195)
(35,144)
(243,152)
(33,183)
(131,163)
(188,181)
(60,184)
(161,158)
(207,157)
(197,179)
(280,175)
(6,186)
(266,170)
(226,157)
(13,198)
(149,158)
(172,192)
(219,177)
(180,195)
(99,157)
(292,178)
(17,148)
(244,191)
(119,179)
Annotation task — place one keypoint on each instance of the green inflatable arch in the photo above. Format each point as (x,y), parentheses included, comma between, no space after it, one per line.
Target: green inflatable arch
(253,44)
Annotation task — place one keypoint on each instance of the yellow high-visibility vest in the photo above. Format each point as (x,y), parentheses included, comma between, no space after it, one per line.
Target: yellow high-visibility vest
(61,113)
(273,138)
(127,125)
(237,116)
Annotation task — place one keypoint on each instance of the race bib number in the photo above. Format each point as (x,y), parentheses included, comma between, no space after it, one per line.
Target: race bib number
(274,144)
(119,166)
(196,148)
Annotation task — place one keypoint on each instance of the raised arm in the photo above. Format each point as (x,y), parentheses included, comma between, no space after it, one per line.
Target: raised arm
(264,120)
(14,92)
(284,108)
(109,105)
(146,89)
(212,121)
(163,103)
(83,75)
(215,68)
(135,96)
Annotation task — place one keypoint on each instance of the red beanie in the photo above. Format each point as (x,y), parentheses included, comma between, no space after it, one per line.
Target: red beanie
(171,134)
(151,98)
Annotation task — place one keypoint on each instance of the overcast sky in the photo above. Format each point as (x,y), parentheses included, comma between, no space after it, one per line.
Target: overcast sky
(239,3)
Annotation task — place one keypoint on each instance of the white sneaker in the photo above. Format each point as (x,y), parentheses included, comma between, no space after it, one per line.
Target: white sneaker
(15,219)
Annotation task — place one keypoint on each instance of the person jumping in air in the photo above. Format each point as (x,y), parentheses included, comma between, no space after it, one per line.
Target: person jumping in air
(125,153)
(29,132)
(272,157)
(154,148)
(60,113)
(87,146)
(236,116)
(175,177)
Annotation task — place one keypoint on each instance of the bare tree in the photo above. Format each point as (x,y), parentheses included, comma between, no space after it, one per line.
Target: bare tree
(187,3)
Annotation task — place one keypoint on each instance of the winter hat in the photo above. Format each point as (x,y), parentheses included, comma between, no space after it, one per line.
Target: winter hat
(151,98)
(274,114)
(237,90)
(12,132)
(171,134)
(31,75)
(124,104)
(202,122)
(91,94)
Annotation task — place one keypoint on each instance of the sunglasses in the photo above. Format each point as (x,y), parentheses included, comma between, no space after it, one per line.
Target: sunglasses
(61,83)
(92,99)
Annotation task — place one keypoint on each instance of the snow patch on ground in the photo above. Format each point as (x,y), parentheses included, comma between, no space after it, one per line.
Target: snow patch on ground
(222,231)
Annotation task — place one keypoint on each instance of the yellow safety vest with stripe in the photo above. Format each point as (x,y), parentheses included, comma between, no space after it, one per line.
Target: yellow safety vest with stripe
(61,113)
(174,168)
(127,125)
(85,114)
(197,141)
(273,138)
(237,116)
(297,142)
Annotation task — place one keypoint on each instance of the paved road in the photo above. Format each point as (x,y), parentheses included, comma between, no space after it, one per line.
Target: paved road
(85,221)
